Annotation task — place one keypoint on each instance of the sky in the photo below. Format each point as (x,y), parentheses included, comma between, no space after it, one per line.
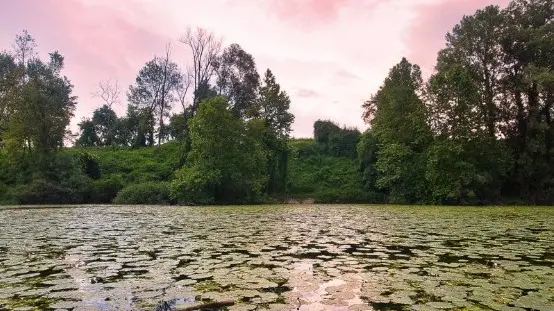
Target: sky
(329,55)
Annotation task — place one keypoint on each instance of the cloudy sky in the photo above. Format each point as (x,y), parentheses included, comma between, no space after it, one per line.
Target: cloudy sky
(329,55)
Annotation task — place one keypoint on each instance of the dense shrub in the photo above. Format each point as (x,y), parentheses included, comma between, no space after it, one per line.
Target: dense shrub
(144,193)
(191,186)
(89,164)
(106,189)
(41,191)
(6,195)
(304,148)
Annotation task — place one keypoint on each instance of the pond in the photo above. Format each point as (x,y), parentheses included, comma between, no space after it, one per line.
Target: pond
(306,257)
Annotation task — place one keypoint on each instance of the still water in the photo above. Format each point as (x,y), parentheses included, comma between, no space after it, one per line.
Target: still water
(310,257)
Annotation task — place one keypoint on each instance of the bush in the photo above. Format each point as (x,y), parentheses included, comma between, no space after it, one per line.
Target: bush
(6,195)
(191,186)
(105,190)
(41,191)
(89,164)
(144,193)
(75,190)
(304,148)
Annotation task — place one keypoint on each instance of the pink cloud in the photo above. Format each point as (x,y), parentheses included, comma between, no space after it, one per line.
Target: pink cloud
(426,36)
(96,41)
(309,11)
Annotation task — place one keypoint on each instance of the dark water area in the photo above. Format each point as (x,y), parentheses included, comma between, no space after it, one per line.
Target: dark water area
(310,257)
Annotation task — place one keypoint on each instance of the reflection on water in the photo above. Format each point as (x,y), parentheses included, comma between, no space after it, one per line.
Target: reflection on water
(278,258)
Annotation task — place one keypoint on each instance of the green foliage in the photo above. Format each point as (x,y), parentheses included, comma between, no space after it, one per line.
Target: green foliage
(398,137)
(135,165)
(451,177)
(479,131)
(401,173)
(6,195)
(238,79)
(35,99)
(60,181)
(228,152)
(273,104)
(89,164)
(192,186)
(153,94)
(367,150)
(336,141)
(144,193)
(106,189)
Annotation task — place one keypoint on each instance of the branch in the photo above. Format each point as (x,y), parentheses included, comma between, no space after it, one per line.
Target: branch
(211,305)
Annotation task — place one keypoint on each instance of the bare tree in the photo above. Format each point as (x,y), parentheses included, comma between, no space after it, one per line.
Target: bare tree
(205,49)
(108,92)
(183,88)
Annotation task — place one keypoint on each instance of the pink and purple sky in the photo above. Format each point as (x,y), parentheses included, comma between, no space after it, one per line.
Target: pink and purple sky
(329,55)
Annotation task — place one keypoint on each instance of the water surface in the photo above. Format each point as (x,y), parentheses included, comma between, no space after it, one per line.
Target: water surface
(313,257)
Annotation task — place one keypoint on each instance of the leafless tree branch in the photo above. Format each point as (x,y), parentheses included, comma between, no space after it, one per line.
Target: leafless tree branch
(205,49)
(108,92)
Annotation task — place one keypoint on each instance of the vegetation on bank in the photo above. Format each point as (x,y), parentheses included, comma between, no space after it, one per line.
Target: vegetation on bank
(478,131)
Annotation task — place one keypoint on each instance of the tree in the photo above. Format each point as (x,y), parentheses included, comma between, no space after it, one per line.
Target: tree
(226,162)
(238,79)
(88,136)
(109,93)
(10,87)
(104,120)
(38,100)
(474,44)
(399,124)
(400,115)
(154,92)
(205,48)
(274,105)
(528,86)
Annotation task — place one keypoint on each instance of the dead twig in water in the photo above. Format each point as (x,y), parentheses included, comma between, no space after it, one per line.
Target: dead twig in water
(211,305)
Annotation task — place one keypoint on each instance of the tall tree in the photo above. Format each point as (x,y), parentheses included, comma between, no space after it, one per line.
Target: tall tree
(24,48)
(238,79)
(274,105)
(528,87)
(400,126)
(474,44)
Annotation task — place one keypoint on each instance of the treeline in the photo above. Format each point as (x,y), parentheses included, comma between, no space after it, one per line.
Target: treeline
(232,134)
(478,131)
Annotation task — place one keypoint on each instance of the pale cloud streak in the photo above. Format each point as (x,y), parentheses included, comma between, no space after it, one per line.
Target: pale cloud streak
(340,50)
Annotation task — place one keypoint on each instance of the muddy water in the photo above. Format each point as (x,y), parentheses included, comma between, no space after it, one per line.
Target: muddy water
(278,258)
